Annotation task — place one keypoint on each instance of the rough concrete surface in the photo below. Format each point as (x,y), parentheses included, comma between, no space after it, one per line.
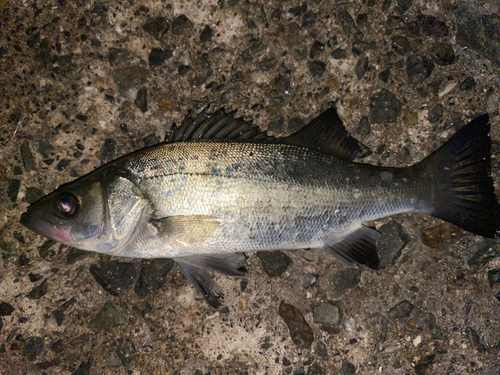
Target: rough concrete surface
(84,81)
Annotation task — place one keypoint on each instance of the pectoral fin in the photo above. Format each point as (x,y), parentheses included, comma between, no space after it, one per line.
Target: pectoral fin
(186,231)
(226,264)
(357,248)
(203,283)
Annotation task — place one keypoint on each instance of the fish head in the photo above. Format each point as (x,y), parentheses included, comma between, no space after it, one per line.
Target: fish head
(94,213)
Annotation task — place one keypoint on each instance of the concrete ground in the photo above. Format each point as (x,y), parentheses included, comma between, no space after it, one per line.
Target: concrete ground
(83,82)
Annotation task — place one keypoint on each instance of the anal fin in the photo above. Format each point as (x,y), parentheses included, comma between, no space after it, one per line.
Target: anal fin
(357,248)
(203,283)
(226,264)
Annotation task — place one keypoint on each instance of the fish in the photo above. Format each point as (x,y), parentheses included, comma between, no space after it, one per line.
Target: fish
(219,187)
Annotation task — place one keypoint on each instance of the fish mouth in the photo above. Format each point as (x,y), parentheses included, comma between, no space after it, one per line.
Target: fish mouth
(42,227)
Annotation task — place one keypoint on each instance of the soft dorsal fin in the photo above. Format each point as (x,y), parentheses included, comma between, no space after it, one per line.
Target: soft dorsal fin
(327,134)
(217,124)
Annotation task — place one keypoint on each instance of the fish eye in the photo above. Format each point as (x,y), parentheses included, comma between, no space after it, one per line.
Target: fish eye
(67,204)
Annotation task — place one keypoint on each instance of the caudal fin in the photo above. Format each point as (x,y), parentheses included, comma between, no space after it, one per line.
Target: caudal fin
(463,192)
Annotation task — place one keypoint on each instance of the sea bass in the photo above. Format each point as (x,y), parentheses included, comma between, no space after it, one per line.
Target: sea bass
(219,187)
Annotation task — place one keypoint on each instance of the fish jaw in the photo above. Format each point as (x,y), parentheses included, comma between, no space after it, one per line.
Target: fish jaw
(53,231)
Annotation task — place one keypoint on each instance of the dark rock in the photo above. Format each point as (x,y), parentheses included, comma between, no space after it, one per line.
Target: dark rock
(34,277)
(436,113)
(17,170)
(468,84)
(363,127)
(405,4)
(418,68)
(327,314)
(277,15)
(237,77)
(442,53)
(384,75)
(44,249)
(125,352)
(13,189)
(429,26)
(322,351)
(27,156)
(276,125)
(6,309)
(423,364)
(158,56)
(33,348)
(230,94)
(38,291)
(108,318)
(82,22)
(339,280)
(45,148)
(274,262)
(384,107)
(308,19)
(433,237)
(401,44)
(307,280)
(347,23)
(207,34)
(401,310)
(268,63)
(485,254)
(109,98)
(33,194)
(58,313)
(298,10)
(74,255)
(316,49)
(58,346)
(81,117)
(391,242)
(339,54)
(425,321)
(130,79)
(361,67)
(141,100)
(300,332)
(317,68)
(151,140)
(434,86)
(108,150)
(494,277)
(157,27)
(480,33)
(114,277)
(153,276)
(84,368)
(95,42)
(347,368)
(360,46)
(180,24)
(63,164)
(183,70)
(379,326)
(473,337)
(117,55)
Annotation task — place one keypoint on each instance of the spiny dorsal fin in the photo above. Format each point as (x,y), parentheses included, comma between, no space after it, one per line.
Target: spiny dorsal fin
(327,134)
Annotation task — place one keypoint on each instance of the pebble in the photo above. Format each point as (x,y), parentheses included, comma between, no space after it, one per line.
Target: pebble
(268,63)
(307,280)
(33,348)
(300,331)
(429,26)
(473,337)
(74,255)
(363,127)
(401,44)
(442,53)
(141,100)
(6,309)
(433,237)
(316,49)
(317,68)
(151,140)
(45,148)
(180,24)
(275,263)
(117,55)
(327,314)
(58,313)
(322,351)
(125,353)
(114,277)
(13,189)
(360,46)
(63,164)
(38,291)
(157,27)
(27,156)
(130,79)
(340,280)
(58,346)
(152,276)
(392,240)
(339,54)
(308,19)
(494,277)
(436,113)
(298,10)
(348,25)
(401,310)
(206,34)
(384,107)
(108,150)
(384,75)
(230,94)
(361,67)
(158,56)
(468,84)
(108,317)
(33,194)
(379,326)
(347,368)
(418,68)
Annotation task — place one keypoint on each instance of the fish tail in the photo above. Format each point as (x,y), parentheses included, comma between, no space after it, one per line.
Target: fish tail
(462,190)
